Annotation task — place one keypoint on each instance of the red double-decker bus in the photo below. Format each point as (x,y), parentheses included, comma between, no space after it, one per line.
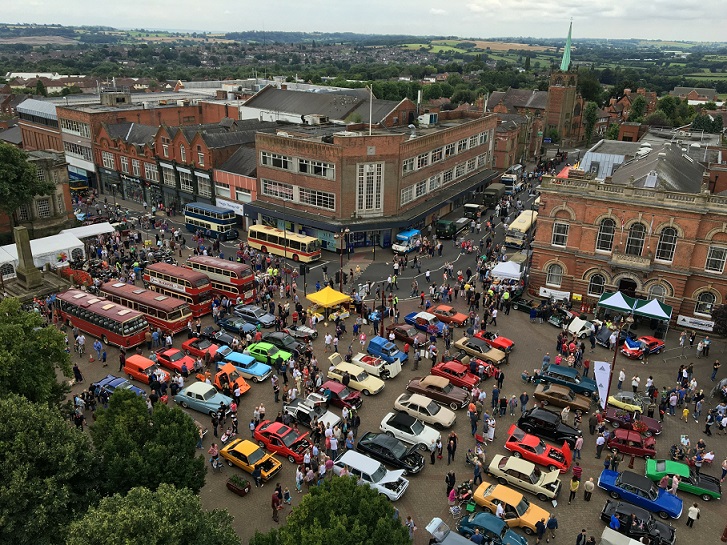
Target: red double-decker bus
(229,278)
(168,313)
(191,286)
(109,321)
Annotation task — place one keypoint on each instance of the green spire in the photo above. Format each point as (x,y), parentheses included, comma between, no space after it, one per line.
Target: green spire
(565,63)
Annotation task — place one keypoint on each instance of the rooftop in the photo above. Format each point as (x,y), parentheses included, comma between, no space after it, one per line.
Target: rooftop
(616,147)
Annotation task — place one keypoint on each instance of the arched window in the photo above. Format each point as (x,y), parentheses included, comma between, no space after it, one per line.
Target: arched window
(596,285)
(705,302)
(605,235)
(667,244)
(555,275)
(657,291)
(183,154)
(7,270)
(635,240)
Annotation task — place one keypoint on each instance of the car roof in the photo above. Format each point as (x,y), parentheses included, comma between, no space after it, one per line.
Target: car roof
(425,315)
(671,467)
(561,370)
(505,493)
(491,522)
(333,385)
(244,446)
(455,364)
(434,380)
(634,479)
(544,414)
(626,434)
(358,461)
(405,419)
(387,441)
(553,387)
(518,464)
(199,387)
(419,399)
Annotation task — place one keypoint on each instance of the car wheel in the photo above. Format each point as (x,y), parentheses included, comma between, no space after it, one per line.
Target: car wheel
(663,515)
(587,394)
(389,433)
(487,510)
(105,339)
(365,392)
(551,467)
(706,497)
(255,380)
(647,433)
(542,497)
(261,444)
(615,495)
(184,404)
(544,402)
(211,413)
(528,429)
(528,531)
(515,306)
(641,356)
(422,446)
(291,459)
(516,454)
(130,377)
(616,424)
(658,351)
(501,480)
(466,534)
(454,406)
(229,463)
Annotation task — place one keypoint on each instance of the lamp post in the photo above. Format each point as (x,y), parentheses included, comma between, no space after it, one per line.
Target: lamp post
(342,237)
(628,321)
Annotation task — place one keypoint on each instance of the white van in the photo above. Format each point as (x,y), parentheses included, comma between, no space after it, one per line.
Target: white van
(368,471)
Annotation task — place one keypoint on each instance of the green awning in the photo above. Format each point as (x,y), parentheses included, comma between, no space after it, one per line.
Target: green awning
(617,301)
(652,309)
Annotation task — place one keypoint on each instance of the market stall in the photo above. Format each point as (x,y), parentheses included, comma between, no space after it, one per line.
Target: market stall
(329,304)
(507,270)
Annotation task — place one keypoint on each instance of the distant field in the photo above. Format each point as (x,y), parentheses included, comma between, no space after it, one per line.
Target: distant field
(38,40)
(433,48)
(706,76)
(497,46)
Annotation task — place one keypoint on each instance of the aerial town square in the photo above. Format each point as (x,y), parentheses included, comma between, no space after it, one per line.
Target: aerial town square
(324,282)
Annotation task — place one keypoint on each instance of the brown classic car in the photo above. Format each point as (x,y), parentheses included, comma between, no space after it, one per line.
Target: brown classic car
(440,389)
(561,396)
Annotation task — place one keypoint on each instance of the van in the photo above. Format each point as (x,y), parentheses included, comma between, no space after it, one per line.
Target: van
(139,368)
(492,195)
(473,211)
(368,471)
(612,537)
(450,228)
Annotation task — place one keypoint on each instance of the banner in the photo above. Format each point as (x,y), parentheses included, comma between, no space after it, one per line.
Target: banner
(602,374)
(555,294)
(696,323)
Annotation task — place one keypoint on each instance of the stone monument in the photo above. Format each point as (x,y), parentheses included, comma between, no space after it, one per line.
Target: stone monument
(28,275)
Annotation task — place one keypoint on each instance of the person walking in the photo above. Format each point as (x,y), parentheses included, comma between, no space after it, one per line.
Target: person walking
(600,443)
(524,398)
(715,367)
(277,504)
(451,481)
(574,484)
(588,488)
(477,473)
(539,530)
(582,537)
(577,448)
(692,515)
(552,526)
(635,381)
(411,526)
(451,450)
(621,378)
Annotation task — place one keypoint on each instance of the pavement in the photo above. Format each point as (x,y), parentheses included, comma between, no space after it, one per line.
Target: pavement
(426,497)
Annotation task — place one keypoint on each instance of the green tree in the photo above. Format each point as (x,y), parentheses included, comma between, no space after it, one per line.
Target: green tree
(719,316)
(19,181)
(638,109)
(40,88)
(31,356)
(553,135)
(165,517)
(717,124)
(658,119)
(668,105)
(702,122)
(142,449)
(339,513)
(50,472)
(612,131)
(590,116)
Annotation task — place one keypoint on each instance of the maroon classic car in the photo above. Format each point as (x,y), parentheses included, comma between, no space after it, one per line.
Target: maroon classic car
(627,420)
(632,443)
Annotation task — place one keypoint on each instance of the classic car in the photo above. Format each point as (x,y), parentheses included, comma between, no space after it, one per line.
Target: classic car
(286,342)
(628,401)
(567,376)
(411,430)
(603,337)
(440,389)
(246,365)
(228,378)
(457,373)
(640,491)
(218,337)
(526,475)
(425,321)
(442,534)
(246,455)
(493,340)
(478,348)
(340,396)
(632,443)
(302,332)
(267,352)
(492,528)
(391,451)
(282,439)
(643,346)
(143,369)
(406,333)
(254,315)
(449,315)
(358,379)
(425,409)
(112,383)
(534,449)
(524,304)
(560,317)
(658,532)
(238,325)
(705,486)
(548,425)
(549,393)
(630,420)
(309,410)
(202,397)
(199,347)
(174,359)
(519,512)
(370,472)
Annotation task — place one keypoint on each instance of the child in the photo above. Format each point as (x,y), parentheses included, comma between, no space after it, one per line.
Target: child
(685,413)
(286,495)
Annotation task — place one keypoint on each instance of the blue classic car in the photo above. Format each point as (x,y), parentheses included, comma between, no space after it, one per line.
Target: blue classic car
(237,325)
(246,365)
(494,529)
(425,321)
(112,383)
(640,491)
(202,397)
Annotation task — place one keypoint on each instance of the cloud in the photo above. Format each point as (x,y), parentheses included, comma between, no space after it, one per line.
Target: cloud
(476,8)
(436,11)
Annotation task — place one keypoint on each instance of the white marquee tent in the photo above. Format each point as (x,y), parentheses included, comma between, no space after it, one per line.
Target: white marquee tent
(507,270)
(47,250)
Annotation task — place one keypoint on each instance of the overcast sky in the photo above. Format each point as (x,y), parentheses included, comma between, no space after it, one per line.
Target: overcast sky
(704,20)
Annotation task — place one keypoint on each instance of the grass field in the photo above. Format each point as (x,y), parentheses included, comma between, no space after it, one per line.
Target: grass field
(434,48)
(496,46)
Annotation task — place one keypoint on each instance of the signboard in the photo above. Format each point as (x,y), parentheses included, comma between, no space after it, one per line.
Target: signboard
(236,207)
(696,323)
(577,297)
(547,140)
(555,294)
(602,375)
(171,285)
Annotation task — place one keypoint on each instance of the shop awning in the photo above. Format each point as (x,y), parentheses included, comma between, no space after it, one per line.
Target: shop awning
(328,297)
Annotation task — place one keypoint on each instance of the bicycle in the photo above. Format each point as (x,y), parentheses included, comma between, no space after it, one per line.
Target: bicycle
(80,348)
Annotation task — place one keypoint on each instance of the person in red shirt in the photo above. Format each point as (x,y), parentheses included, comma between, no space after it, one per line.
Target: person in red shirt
(276,504)
(577,471)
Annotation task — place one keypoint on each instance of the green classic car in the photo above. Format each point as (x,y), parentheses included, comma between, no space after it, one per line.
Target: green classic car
(699,484)
(260,351)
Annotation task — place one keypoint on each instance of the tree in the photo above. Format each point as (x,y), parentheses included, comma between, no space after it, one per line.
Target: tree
(40,88)
(142,449)
(31,356)
(719,316)
(717,124)
(590,116)
(657,119)
(339,513)
(612,131)
(19,181)
(167,516)
(638,109)
(50,472)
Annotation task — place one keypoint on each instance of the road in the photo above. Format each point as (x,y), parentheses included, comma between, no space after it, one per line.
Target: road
(426,496)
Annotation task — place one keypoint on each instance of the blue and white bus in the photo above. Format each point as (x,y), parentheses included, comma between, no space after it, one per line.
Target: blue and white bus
(213,221)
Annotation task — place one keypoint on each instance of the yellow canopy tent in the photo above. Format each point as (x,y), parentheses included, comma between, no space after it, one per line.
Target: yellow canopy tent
(328,297)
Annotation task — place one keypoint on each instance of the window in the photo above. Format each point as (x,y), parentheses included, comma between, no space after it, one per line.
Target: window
(635,240)
(369,189)
(317,168)
(78,150)
(165,150)
(275,160)
(459,170)
(473,141)
(606,231)
(437,155)
(435,182)
(462,145)
(705,302)
(407,195)
(667,244)
(560,233)
(43,207)
(657,291)
(596,285)
(7,270)
(60,203)
(150,172)
(108,160)
(182,154)
(554,276)
(204,186)
(124,164)
(482,160)
(422,160)
(24,212)
(243,195)
(185,182)
(449,150)
(169,178)
(81,129)
(420,189)
(135,167)
(319,199)
(483,137)
(200,156)
(277,189)
(471,164)
(715,259)
(408,166)
(40,174)
(222,190)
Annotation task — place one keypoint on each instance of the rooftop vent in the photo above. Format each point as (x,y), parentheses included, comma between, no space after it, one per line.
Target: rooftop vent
(651,178)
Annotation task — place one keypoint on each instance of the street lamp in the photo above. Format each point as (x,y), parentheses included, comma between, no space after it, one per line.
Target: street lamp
(628,321)
(341,236)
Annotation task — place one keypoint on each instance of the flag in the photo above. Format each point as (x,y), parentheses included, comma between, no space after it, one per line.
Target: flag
(622,224)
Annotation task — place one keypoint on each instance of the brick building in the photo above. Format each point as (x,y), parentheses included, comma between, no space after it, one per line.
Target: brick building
(39,125)
(650,230)
(530,104)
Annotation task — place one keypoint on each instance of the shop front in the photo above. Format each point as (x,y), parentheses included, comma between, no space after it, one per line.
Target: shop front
(132,189)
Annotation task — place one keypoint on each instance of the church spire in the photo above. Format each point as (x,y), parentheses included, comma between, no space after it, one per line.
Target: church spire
(565,62)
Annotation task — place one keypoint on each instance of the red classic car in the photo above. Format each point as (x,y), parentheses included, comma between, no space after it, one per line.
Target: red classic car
(174,359)
(643,346)
(494,340)
(632,443)
(449,315)
(457,373)
(530,447)
(627,420)
(277,437)
(198,347)
(340,395)
(406,333)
